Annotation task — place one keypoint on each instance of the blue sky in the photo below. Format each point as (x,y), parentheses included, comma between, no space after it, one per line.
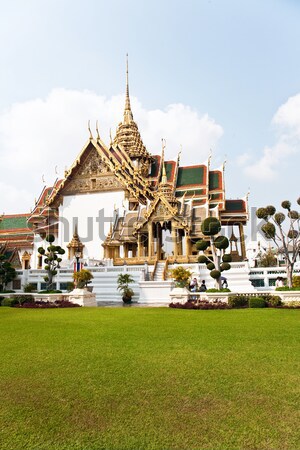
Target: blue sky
(220,74)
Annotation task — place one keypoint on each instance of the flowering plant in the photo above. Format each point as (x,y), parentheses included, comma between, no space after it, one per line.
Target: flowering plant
(181,276)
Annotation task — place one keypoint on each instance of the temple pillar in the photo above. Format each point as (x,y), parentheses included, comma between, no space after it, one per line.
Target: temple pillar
(179,244)
(174,240)
(187,245)
(242,240)
(150,240)
(158,241)
(139,245)
(125,250)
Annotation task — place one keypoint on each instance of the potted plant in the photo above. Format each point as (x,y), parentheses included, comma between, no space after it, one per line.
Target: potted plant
(181,277)
(124,279)
(82,278)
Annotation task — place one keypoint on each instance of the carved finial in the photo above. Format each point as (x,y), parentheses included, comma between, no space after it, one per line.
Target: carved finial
(89,128)
(97,131)
(209,157)
(224,164)
(163,146)
(76,230)
(56,172)
(127,112)
(43,179)
(179,155)
(110,136)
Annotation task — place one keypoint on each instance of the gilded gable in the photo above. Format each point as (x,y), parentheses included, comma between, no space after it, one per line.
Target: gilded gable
(91,175)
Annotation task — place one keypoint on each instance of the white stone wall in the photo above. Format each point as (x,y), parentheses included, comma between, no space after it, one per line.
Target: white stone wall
(93,213)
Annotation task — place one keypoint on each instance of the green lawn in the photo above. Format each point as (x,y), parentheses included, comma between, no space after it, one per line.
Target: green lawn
(142,378)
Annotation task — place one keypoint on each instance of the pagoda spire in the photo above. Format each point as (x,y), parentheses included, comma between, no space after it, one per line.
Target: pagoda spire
(128,116)
(164,179)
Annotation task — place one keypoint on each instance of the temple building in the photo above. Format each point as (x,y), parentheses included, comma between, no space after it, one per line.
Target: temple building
(119,203)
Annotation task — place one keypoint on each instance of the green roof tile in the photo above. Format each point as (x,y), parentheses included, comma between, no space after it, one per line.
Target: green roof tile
(234,205)
(215,180)
(190,175)
(12,223)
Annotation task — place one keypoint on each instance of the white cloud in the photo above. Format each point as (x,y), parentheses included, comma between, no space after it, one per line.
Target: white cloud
(243,159)
(287,128)
(43,134)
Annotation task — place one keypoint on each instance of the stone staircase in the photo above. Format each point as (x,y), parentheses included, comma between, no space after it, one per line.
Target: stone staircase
(159,272)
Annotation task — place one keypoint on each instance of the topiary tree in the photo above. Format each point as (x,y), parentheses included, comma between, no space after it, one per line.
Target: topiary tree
(286,238)
(7,272)
(52,259)
(218,261)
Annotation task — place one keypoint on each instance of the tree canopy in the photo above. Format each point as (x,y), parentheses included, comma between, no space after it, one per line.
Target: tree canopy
(283,229)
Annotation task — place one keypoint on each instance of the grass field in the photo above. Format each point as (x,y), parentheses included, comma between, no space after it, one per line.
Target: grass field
(142,378)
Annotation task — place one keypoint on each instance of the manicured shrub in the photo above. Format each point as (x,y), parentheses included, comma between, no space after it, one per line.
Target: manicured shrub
(210,266)
(29,288)
(51,291)
(227,258)
(286,288)
(296,282)
(210,226)
(292,304)
(202,259)
(272,301)
(203,305)
(221,242)
(45,305)
(225,266)
(215,274)
(257,302)
(237,301)
(22,298)
(9,302)
(218,290)
(202,244)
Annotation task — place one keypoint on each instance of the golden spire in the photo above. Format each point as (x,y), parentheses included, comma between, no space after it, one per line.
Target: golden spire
(128,117)
(128,135)
(164,179)
(75,235)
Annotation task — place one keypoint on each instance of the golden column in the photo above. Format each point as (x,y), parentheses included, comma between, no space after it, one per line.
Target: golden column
(150,240)
(174,240)
(139,245)
(242,240)
(187,244)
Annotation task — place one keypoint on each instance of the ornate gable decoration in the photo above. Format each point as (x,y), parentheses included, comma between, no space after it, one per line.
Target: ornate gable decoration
(162,211)
(91,174)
